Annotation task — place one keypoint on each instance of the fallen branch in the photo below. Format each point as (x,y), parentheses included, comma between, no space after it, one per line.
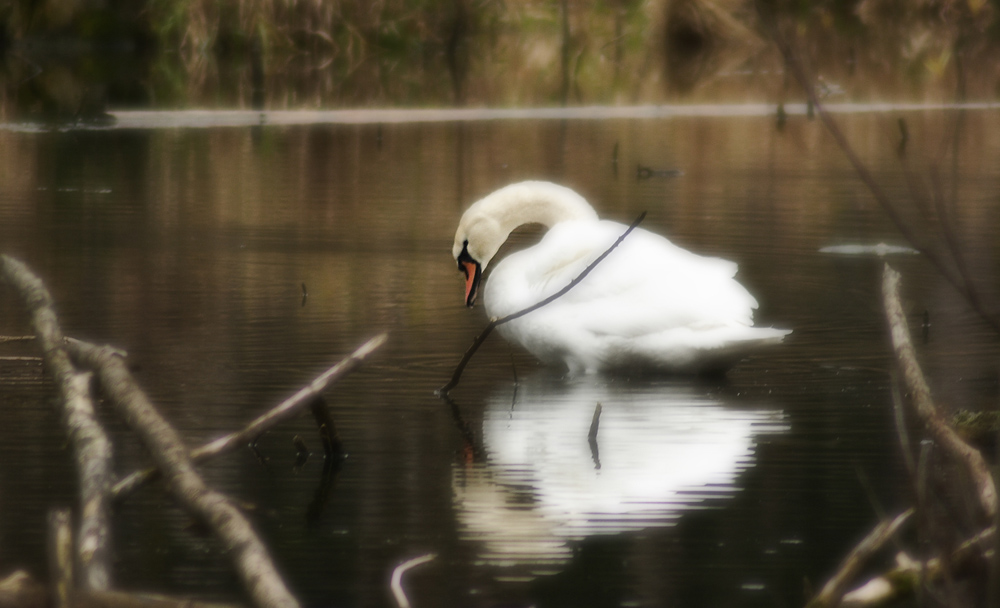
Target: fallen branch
(457,375)
(832,592)
(909,574)
(91,446)
(251,558)
(287,409)
(923,404)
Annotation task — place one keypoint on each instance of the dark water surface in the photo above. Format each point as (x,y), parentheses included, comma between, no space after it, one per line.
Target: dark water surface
(189,248)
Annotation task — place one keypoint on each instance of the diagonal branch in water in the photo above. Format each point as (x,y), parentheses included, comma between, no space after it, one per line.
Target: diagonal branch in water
(457,375)
(287,409)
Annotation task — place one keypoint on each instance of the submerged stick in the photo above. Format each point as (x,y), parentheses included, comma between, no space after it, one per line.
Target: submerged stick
(396,584)
(332,447)
(457,375)
(923,404)
(91,446)
(285,410)
(250,557)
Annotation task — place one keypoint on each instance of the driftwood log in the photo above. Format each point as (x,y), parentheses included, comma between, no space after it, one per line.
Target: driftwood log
(91,446)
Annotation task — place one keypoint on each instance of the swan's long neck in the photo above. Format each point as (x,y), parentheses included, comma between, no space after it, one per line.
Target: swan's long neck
(534,202)
(488,222)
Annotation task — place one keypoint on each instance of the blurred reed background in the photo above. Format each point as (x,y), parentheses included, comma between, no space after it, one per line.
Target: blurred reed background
(73,59)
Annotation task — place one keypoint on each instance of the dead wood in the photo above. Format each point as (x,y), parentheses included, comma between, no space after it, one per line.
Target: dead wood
(91,447)
(251,558)
(909,574)
(457,375)
(287,409)
(832,592)
(923,404)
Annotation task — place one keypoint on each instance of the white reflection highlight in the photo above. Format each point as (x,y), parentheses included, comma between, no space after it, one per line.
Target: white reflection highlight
(662,448)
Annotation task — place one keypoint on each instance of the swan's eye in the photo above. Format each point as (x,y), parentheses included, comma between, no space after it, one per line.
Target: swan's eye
(464,258)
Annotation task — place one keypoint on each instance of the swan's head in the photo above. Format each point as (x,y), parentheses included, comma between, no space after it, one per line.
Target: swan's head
(488,222)
(477,240)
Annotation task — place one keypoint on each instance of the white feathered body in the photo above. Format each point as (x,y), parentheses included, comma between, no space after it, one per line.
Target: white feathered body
(648,306)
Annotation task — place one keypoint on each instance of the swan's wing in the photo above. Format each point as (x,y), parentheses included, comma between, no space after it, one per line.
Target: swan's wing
(644,286)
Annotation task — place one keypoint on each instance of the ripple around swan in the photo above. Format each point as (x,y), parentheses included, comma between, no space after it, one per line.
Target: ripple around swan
(661,449)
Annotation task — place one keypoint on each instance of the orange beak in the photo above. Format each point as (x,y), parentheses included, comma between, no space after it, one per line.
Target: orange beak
(472,273)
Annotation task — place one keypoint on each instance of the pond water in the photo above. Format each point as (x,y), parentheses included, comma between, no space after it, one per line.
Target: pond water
(189,245)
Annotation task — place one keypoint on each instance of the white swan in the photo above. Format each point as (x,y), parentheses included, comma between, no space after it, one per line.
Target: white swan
(649,306)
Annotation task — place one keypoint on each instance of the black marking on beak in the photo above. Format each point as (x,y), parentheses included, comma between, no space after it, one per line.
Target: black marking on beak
(473,273)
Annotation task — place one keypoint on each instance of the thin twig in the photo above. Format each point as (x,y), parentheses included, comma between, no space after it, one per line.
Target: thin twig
(457,375)
(396,584)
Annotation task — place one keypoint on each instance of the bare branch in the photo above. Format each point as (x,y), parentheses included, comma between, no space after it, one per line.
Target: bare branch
(920,397)
(909,574)
(834,588)
(91,446)
(251,558)
(287,409)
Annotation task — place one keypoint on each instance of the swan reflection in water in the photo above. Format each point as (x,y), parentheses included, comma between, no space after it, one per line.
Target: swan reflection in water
(661,448)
